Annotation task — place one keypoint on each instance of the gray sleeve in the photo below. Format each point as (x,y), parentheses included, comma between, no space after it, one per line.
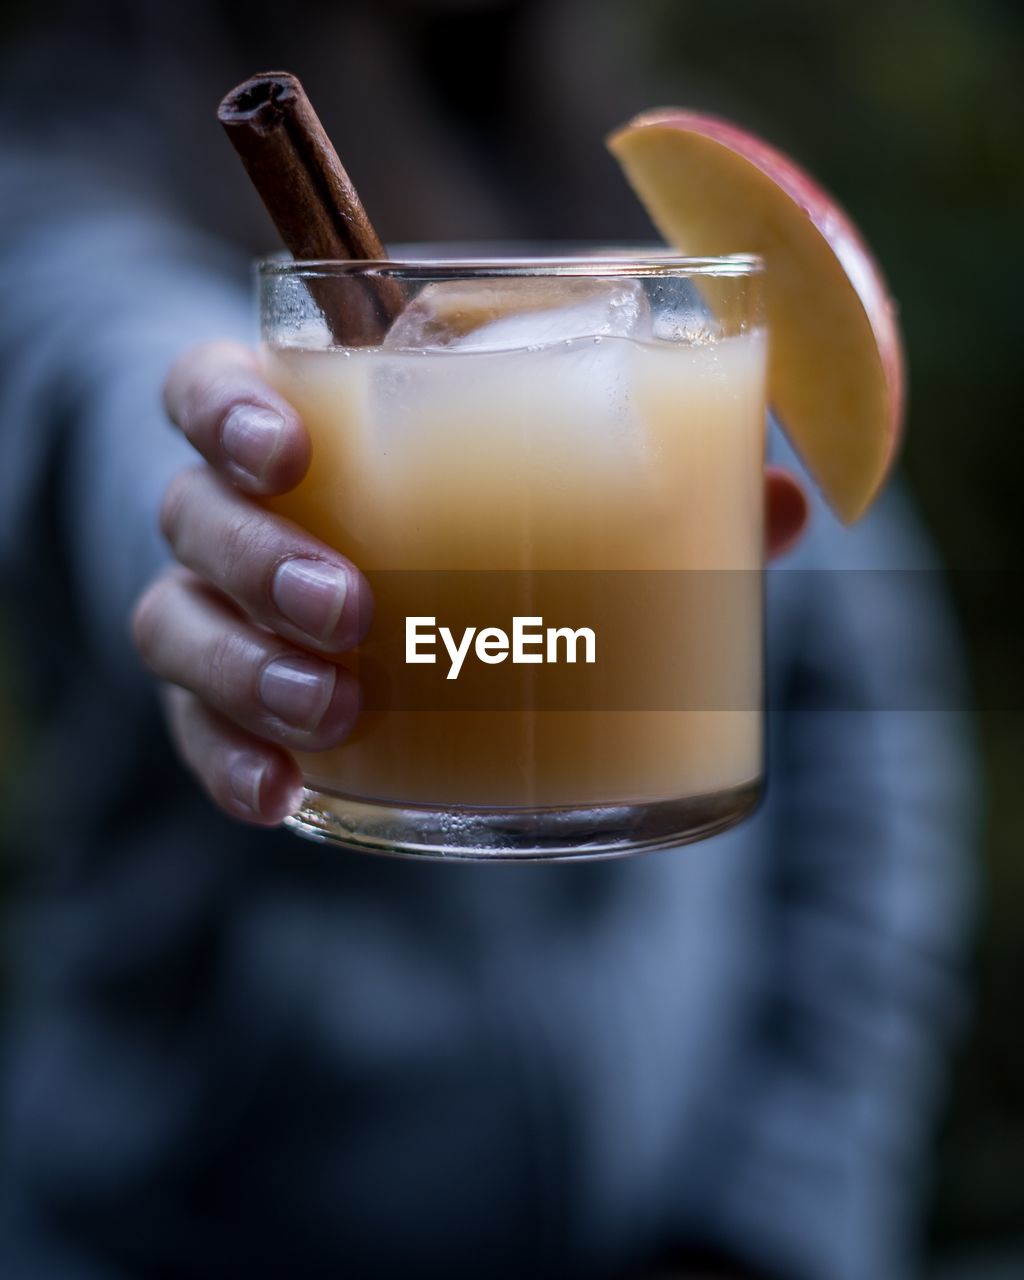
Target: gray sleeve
(102,289)
(818,1146)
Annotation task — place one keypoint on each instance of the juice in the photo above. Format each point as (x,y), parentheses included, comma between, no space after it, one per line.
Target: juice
(614,481)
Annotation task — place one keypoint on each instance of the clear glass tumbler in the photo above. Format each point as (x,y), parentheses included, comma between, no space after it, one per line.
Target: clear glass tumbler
(550,470)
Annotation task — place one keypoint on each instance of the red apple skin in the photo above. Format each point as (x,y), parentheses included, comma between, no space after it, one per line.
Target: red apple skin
(835,226)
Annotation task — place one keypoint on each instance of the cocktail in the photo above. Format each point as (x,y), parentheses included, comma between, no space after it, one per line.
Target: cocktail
(553,468)
(549,467)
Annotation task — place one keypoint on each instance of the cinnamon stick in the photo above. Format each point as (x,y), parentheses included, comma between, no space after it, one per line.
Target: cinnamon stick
(311,200)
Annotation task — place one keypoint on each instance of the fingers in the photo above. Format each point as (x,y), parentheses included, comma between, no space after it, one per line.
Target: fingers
(273,570)
(189,636)
(785,511)
(237,421)
(242,693)
(247,778)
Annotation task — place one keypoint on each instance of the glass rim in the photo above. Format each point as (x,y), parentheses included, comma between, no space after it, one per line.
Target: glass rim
(546,260)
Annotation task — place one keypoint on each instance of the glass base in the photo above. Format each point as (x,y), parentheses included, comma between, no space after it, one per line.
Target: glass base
(519,835)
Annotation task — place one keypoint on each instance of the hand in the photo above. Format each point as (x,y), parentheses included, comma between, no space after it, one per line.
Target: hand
(243,629)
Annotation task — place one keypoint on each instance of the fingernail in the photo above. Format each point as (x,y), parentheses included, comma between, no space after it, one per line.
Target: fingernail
(297,690)
(310,594)
(246,772)
(251,437)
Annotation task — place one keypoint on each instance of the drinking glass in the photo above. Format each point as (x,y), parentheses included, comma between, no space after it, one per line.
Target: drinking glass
(550,470)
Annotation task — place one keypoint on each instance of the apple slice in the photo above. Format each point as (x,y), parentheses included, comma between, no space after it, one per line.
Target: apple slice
(836,371)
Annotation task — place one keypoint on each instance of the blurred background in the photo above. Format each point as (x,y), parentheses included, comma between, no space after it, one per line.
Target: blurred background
(912,111)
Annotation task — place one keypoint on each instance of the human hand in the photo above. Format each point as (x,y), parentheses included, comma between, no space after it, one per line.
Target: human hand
(242,631)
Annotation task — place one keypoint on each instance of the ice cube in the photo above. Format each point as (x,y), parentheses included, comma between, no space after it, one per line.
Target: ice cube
(514,445)
(680,313)
(547,398)
(440,315)
(513,313)
(577,309)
